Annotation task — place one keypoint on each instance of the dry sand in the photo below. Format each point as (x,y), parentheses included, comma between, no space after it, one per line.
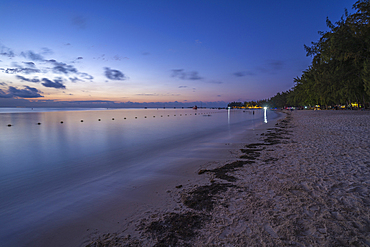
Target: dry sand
(304,182)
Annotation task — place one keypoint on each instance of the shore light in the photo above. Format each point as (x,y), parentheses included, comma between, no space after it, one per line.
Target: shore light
(265,114)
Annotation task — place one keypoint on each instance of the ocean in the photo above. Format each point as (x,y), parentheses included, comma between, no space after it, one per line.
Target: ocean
(56,160)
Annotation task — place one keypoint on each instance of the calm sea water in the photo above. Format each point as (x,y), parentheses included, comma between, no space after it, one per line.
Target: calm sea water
(79,156)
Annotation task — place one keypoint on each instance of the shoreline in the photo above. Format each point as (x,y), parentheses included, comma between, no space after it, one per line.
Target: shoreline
(304,181)
(307,183)
(152,196)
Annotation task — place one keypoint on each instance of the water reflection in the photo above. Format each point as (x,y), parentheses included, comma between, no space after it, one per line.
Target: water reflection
(265,114)
(228,115)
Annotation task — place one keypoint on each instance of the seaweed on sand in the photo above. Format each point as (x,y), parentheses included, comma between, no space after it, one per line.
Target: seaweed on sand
(202,197)
(251,153)
(176,229)
(113,240)
(221,172)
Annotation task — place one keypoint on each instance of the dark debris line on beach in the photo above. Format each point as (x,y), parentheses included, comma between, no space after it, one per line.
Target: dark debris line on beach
(178,229)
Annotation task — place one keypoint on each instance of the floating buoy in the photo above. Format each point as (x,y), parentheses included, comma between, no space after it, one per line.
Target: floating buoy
(168,115)
(135,117)
(145,117)
(9,125)
(112,118)
(61,122)
(161,115)
(38,123)
(153,116)
(82,120)
(99,119)
(124,118)
(180,114)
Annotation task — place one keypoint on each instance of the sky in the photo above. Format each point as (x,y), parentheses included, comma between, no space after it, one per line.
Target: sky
(122,53)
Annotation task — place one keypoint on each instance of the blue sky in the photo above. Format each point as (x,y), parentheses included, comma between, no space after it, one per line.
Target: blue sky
(63,53)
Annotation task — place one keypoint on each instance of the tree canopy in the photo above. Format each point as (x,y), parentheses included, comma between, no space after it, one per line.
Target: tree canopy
(340,68)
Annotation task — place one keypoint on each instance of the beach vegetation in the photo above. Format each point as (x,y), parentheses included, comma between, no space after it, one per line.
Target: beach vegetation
(259,104)
(339,73)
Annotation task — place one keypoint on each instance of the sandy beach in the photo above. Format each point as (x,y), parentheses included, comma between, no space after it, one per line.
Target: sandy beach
(303,182)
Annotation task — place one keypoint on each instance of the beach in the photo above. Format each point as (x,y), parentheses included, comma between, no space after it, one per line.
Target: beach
(304,182)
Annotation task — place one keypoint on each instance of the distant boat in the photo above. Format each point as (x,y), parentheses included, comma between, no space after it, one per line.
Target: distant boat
(195,107)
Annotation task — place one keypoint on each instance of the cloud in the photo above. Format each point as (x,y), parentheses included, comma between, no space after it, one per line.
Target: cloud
(276,64)
(6,52)
(194,76)
(183,86)
(75,79)
(85,76)
(218,95)
(118,58)
(147,94)
(113,74)
(46,51)
(181,74)
(33,56)
(28,92)
(11,70)
(215,82)
(35,80)
(5,95)
(155,94)
(271,67)
(57,83)
(79,21)
(68,71)
(30,71)
(145,53)
(30,64)
(20,70)
(243,73)
(62,68)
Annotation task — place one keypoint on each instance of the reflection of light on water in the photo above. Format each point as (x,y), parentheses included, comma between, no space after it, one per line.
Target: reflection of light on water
(265,114)
(228,115)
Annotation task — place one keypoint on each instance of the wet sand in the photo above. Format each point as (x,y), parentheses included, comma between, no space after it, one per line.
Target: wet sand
(304,182)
